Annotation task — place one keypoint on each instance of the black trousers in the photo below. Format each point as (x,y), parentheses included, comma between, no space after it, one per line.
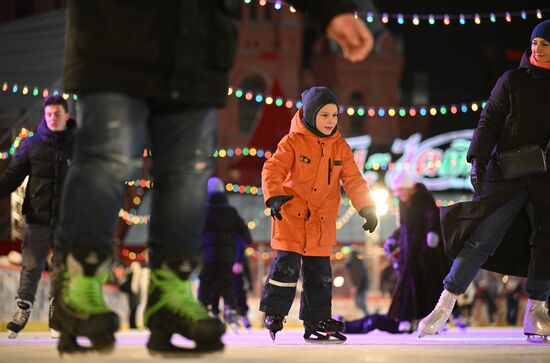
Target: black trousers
(280,286)
(216,276)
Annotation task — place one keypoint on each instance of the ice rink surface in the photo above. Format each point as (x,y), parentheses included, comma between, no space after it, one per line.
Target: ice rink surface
(473,345)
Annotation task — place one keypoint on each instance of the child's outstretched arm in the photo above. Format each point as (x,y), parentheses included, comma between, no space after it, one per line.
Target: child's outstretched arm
(276,170)
(357,190)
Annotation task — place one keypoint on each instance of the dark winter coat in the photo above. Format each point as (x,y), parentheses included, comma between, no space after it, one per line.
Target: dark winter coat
(173,49)
(421,268)
(517,113)
(222,229)
(45,158)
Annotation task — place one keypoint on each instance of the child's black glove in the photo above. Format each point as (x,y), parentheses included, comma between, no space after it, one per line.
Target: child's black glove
(369,213)
(276,203)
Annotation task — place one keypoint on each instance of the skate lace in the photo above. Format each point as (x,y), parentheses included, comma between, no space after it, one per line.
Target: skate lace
(176,296)
(21,316)
(84,294)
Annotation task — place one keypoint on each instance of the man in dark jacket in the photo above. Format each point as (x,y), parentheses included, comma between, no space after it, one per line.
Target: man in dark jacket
(222,231)
(44,158)
(158,68)
(506,227)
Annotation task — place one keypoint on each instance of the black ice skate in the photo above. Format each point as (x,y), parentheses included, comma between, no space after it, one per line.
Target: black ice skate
(79,309)
(274,323)
(324,331)
(20,318)
(172,309)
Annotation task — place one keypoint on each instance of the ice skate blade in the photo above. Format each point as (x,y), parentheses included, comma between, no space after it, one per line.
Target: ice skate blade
(328,338)
(536,338)
(272,334)
(12,334)
(173,351)
(83,352)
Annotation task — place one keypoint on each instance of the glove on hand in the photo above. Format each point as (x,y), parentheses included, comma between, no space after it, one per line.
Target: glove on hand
(432,239)
(477,174)
(369,213)
(276,203)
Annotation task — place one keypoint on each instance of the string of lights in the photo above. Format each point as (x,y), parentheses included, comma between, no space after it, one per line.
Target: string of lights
(23,134)
(359,110)
(432,19)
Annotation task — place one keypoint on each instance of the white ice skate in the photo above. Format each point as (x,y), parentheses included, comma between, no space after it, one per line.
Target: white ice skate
(20,318)
(432,323)
(536,322)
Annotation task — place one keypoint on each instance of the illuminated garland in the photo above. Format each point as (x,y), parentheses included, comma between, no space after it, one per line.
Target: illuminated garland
(370,111)
(362,111)
(245,151)
(23,134)
(431,19)
(448,19)
(33,91)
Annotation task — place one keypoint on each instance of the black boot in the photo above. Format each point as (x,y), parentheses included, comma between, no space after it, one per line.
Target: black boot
(324,331)
(274,323)
(79,308)
(172,309)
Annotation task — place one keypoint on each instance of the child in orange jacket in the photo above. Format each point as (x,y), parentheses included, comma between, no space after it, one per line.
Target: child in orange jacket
(301,185)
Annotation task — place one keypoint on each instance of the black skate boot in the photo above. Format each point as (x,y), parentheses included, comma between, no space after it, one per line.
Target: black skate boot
(325,331)
(172,309)
(274,323)
(20,318)
(79,307)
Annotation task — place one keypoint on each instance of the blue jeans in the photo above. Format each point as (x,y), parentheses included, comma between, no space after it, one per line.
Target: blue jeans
(108,151)
(484,241)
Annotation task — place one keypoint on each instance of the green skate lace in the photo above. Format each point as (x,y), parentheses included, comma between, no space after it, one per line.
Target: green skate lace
(175,295)
(84,294)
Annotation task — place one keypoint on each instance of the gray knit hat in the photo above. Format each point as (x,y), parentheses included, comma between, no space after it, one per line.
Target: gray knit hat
(313,100)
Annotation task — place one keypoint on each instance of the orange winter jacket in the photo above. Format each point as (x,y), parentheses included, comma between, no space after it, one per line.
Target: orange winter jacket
(310,168)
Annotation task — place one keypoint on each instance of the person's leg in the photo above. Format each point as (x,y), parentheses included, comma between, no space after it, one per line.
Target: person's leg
(316,299)
(34,248)
(182,142)
(536,320)
(360,296)
(107,152)
(207,277)
(280,285)
(479,246)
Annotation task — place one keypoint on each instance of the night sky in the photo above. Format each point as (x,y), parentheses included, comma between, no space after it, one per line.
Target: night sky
(463,61)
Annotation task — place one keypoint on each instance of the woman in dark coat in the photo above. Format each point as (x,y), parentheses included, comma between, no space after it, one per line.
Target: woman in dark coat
(506,227)
(422,262)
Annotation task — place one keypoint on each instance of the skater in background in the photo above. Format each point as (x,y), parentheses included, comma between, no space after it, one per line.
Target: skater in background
(506,227)
(416,255)
(513,290)
(301,186)
(222,231)
(242,284)
(44,158)
(359,279)
(421,262)
(161,81)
